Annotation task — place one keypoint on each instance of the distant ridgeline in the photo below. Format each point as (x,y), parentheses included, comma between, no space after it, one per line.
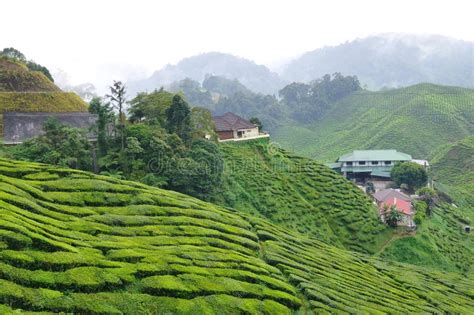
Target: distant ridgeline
(35,96)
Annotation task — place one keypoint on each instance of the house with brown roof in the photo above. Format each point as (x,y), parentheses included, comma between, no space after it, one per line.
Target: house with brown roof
(230,127)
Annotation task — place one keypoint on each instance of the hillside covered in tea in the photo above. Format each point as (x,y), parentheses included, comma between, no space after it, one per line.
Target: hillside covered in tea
(71,241)
(418,120)
(301,194)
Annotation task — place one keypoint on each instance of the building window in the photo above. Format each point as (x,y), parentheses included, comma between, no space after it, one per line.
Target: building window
(362,163)
(388,162)
(375,162)
(348,163)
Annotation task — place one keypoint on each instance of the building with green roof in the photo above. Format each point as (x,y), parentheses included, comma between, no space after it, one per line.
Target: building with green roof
(364,164)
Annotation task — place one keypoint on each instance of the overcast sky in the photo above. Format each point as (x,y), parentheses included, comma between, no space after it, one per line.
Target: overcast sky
(98,41)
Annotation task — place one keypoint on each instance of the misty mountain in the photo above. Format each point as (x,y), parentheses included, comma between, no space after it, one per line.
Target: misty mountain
(391,60)
(256,77)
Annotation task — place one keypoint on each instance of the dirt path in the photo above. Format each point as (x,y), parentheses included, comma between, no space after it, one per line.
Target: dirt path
(397,235)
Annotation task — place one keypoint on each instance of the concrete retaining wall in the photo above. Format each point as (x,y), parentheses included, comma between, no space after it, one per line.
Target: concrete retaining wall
(18,127)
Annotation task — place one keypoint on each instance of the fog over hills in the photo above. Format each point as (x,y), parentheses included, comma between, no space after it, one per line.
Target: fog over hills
(391,60)
(257,77)
(381,61)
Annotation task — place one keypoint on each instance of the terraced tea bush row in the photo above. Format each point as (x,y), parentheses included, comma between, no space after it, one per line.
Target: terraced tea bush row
(299,194)
(170,253)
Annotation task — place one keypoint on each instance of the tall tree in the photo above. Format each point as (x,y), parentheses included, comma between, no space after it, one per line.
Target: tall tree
(257,122)
(392,216)
(178,118)
(150,107)
(117,98)
(105,117)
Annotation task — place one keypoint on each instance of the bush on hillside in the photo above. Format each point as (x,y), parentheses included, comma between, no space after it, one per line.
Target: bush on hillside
(420,208)
(409,173)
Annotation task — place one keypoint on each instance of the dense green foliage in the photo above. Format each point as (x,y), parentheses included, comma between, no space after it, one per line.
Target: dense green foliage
(178,118)
(162,146)
(300,194)
(300,103)
(59,145)
(194,92)
(12,53)
(309,102)
(221,95)
(416,120)
(223,86)
(150,107)
(71,241)
(411,174)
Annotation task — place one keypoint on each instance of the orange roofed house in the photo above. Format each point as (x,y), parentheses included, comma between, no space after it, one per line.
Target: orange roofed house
(404,207)
(394,197)
(230,127)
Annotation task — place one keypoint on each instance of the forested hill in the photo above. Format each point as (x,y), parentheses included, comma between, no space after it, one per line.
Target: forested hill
(256,77)
(391,60)
(75,242)
(417,120)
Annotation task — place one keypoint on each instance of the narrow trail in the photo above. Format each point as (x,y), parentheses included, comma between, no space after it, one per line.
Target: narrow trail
(397,235)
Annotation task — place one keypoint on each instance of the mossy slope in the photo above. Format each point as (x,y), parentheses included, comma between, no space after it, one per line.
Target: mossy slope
(71,241)
(23,90)
(16,77)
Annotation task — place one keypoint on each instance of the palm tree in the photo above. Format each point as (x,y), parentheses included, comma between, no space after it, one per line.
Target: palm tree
(392,215)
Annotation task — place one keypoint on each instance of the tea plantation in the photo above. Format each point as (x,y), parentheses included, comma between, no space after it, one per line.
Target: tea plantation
(71,241)
(441,241)
(300,194)
(418,120)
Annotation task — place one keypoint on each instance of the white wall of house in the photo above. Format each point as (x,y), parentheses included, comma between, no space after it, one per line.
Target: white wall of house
(369,163)
(246,133)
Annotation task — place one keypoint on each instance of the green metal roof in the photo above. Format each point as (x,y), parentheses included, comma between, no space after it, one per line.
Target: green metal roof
(375,155)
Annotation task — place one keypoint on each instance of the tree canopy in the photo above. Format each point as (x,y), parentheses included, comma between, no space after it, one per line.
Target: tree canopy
(17,55)
(59,145)
(409,173)
(310,101)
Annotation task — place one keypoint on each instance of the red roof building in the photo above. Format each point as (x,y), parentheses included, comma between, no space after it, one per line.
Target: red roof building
(403,207)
